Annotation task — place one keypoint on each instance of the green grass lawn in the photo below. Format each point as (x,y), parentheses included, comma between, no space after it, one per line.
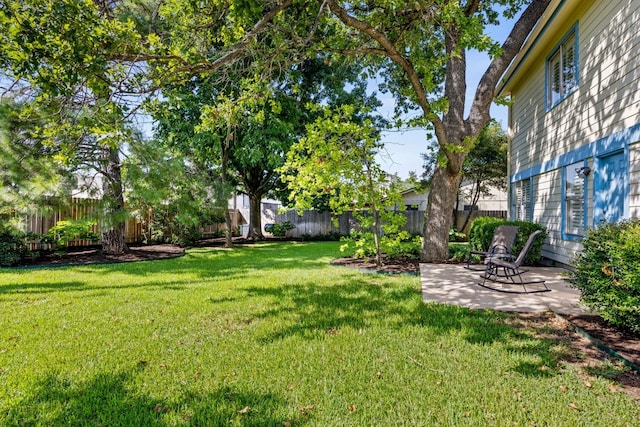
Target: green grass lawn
(270,334)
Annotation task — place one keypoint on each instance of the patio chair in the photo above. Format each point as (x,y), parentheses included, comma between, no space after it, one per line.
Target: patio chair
(500,246)
(511,271)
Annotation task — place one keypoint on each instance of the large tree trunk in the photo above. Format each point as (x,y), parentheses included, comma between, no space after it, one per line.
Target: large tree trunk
(437,217)
(113,200)
(255,217)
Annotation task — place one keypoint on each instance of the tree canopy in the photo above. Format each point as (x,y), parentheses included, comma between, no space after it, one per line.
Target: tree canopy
(420,49)
(84,59)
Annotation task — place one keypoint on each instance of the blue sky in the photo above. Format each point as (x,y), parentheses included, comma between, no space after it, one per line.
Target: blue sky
(403,149)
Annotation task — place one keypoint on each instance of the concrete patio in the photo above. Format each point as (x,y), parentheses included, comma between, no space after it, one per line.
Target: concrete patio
(453,284)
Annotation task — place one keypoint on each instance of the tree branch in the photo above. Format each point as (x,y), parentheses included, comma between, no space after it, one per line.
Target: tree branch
(237,49)
(392,53)
(472,7)
(479,114)
(184,66)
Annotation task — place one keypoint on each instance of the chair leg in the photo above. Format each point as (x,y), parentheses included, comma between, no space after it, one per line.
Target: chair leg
(514,276)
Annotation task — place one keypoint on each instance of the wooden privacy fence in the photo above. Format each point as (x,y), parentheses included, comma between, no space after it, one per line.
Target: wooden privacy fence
(88,209)
(319,223)
(78,209)
(462,215)
(311,223)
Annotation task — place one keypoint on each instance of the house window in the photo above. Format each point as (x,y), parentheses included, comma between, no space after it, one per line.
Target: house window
(574,199)
(522,200)
(562,70)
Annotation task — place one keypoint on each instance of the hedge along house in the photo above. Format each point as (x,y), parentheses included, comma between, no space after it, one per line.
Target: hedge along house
(574,121)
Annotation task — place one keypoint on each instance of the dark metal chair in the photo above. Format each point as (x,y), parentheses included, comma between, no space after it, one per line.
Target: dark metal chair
(510,271)
(500,246)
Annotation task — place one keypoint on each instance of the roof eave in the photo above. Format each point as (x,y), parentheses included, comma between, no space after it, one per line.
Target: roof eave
(504,87)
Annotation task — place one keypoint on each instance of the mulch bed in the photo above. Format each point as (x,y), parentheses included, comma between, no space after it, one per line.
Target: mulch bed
(403,265)
(624,343)
(93,255)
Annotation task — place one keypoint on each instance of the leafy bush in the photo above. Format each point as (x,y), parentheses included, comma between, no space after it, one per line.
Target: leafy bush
(458,251)
(398,245)
(64,231)
(483,228)
(607,272)
(456,236)
(12,246)
(169,225)
(280,230)
(402,245)
(184,234)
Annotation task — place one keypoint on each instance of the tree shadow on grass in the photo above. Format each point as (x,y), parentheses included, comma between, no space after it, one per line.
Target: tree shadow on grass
(211,263)
(356,303)
(111,400)
(40,287)
(311,311)
(202,264)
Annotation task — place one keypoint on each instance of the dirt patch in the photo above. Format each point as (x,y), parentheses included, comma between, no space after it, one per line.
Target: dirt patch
(93,255)
(396,265)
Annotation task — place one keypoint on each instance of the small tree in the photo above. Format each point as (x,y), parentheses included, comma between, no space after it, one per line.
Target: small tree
(485,167)
(172,197)
(337,158)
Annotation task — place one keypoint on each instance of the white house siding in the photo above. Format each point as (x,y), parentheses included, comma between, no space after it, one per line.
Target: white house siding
(602,114)
(607,99)
(547,211)
(496,200)
(419,200)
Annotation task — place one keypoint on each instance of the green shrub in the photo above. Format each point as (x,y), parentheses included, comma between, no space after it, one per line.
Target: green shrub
(184,234)
(483,228)
(64,231)
(332,236)
(481,231)
(12,246)
(456,236)
(280,230)
(607,271)
(401,244)
(458,251)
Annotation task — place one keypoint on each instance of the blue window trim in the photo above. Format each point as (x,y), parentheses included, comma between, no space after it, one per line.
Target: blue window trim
(598,149)
(573,30)
(585,205)
(546,27)
(608,145)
